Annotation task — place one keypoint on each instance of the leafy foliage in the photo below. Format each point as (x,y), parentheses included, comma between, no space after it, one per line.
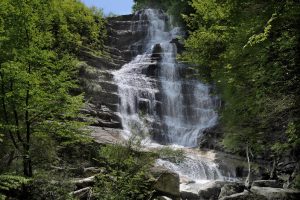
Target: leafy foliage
(172,7)
(48,186)
(8,182)
(172,155)
(126,174)
(11,182)
(250,50)
(38,69)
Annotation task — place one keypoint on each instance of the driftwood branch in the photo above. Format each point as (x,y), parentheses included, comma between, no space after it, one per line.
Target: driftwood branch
(63,168)
(85,182)
(82,192)
(94,170)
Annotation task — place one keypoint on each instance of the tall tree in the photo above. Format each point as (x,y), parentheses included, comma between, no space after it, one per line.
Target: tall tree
(38,71)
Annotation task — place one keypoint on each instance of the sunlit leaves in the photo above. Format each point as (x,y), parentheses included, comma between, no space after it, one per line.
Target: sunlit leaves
(249,50)
(38,70)
(8,182)
(258,38)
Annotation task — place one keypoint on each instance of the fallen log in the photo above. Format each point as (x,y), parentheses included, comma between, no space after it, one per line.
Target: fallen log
(82,192)
(91,170)
(85,182)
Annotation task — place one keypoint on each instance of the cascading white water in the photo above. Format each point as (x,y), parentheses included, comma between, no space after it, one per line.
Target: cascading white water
(179,109)
(187,111)
(187,108)
(194,168)
(135,87)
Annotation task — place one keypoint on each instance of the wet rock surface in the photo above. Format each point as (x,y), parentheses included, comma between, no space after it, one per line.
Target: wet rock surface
(167,182)
(211,190)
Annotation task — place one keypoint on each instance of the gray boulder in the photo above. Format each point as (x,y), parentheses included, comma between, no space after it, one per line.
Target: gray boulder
(211,190)
(276,193)
(231,188)
(106,135)
(244,196)
(189,191)
(167,182)
(185,195)
(267,183)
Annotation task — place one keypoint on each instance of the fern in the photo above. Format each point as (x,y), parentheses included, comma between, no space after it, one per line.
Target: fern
(8,182)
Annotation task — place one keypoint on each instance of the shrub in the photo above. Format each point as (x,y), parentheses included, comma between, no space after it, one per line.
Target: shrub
(126,174)
(172,155)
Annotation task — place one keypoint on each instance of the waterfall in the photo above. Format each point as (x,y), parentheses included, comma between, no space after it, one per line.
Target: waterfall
(158,101)
(136,88)
(181,108)
(188,108)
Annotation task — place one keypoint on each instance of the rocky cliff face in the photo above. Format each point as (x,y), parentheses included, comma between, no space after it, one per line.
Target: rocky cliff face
(101,92)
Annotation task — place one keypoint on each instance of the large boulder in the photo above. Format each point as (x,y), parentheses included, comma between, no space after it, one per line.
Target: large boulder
(231,188)
(167,182)
(185,195)
(246,195)
(204,191)
(156,52)
(189,191)
(211,138)
(211,190)
(267,183)
(276,193)
(106,135)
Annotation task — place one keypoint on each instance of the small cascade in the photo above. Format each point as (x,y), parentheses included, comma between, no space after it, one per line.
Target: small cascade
(194,169)
(156,99)
(198,166)
(135,88)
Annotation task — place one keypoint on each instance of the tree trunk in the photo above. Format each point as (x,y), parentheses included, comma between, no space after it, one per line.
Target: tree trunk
(27,166)
(248,179)
(27,158)
(273,174)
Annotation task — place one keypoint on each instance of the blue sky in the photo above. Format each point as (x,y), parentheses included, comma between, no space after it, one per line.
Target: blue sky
(119,7)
